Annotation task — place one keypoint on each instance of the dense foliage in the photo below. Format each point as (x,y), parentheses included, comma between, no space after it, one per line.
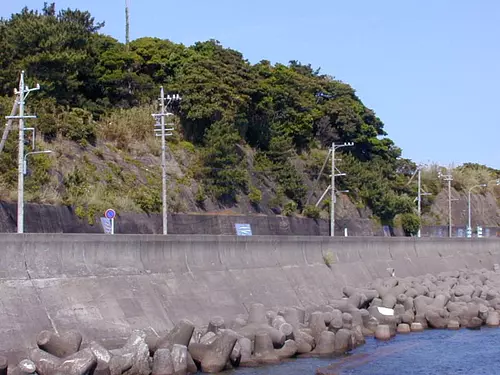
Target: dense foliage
(229,106)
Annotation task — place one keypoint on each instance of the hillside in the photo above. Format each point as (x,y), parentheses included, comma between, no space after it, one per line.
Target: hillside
(248,138)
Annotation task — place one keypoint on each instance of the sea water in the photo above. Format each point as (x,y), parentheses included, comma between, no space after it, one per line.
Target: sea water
(433,352)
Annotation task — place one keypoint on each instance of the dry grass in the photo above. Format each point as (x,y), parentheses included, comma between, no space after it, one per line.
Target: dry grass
(128,128)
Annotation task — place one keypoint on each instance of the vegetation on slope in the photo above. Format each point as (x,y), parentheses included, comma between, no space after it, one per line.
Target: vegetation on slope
(241,127)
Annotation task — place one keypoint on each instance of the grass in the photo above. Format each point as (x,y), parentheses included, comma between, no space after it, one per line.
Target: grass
(329,259)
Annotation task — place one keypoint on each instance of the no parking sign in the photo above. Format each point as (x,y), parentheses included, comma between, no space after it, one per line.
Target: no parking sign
(109,217)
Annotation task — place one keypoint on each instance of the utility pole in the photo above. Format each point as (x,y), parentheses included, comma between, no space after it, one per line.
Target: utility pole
(127,23)
(22,94)
(419,200)
(162,131)
(449,179)
(332,185)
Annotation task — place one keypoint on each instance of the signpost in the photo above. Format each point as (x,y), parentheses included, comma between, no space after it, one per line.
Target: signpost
(110,214)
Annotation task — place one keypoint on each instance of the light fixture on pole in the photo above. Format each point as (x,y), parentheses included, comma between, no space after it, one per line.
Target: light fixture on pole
(162,131)
(448,178)
(22,93)
(420,194)
(25,163)
(335,173)
(469,224)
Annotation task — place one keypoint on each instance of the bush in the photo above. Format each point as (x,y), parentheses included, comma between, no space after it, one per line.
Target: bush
(200,195)
(311,211)
(290,208)
(148,200)
(255,195)
(410,223)
(79,126)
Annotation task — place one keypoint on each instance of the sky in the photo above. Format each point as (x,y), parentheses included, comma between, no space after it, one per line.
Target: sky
(428,68)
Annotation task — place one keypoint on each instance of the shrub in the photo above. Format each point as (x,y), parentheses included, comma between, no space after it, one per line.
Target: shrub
(329,259)
(79,126)
(255,195)
(148,200)
(410,223)
(311,211)
(200,195)
(290,208)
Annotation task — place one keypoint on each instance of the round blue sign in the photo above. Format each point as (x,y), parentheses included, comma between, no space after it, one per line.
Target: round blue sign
(110,214)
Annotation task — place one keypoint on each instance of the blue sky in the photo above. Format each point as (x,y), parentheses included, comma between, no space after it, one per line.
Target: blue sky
(429,68)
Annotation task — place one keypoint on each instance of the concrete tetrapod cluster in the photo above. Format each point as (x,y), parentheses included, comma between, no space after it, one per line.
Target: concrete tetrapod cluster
(262,337)
(450,300)
(383,308)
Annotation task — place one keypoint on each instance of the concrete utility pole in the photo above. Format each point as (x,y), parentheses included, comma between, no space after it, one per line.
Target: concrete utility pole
(162,131)
(22,94)
(469,225)
(332,185)
(448,178)
(419,200)
(469,221)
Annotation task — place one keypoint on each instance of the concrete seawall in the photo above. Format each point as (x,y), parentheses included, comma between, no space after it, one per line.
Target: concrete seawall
(107,285)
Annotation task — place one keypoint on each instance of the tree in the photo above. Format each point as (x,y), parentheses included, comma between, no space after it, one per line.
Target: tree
(222,163)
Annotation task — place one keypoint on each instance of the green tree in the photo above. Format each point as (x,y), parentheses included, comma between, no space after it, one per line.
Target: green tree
(224,170)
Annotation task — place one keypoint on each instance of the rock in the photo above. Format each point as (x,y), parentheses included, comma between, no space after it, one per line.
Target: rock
(453,325)
(215,325)
(180,334)
(102,369)
(59,345)
(25,367)
(343,342)
(264,350)
(326,343)
(492,319)
(288,350)
(475,323)
(162,363)
(134,357)
(79,363)
(347,321)
(102,354)
(317,324)
(416,327)
(257,321)
(403,328)
(383,332)
(328,317)
(271,315)
(179,359)
(435,320)
(389,301)
(214,356)
(246,352)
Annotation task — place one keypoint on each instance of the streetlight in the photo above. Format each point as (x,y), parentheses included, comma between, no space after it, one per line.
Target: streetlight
(25,164)
(449,179)
(469,225)
(334,174)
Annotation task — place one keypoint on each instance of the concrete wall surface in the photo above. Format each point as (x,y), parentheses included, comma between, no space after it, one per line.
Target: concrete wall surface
(105,286)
